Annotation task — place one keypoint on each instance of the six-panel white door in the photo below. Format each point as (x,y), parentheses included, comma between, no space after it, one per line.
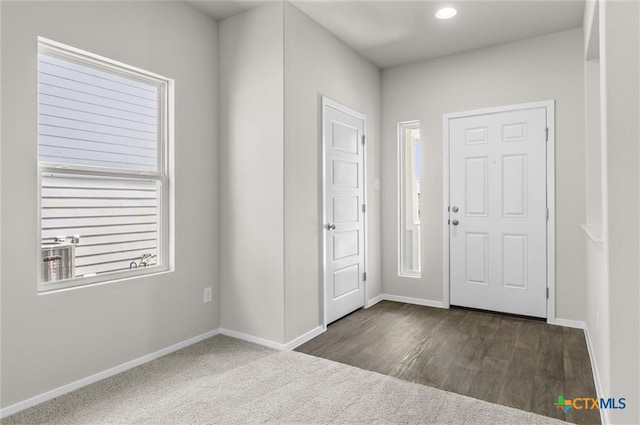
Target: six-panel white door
(498,211)
(344,217)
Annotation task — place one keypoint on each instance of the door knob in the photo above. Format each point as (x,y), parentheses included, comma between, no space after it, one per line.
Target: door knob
(454,209)
(455,222)
(331,226)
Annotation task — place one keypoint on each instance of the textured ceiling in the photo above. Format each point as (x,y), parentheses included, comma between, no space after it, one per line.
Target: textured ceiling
(222,9)
(390,33)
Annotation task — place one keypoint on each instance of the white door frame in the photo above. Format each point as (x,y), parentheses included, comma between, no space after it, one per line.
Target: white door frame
(551,240)
(327,102)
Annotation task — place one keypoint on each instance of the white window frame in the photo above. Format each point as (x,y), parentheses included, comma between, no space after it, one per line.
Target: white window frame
(164,174)
(402,272)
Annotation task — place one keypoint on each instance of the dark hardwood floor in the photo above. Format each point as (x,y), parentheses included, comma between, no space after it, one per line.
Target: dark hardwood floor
(512,361)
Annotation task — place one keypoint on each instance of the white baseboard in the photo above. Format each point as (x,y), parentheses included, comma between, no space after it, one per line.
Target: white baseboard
(304,338)
(604,415)
(254,339)
(273,344)
(416,301)
(577,324)
(57,392)
(375,300)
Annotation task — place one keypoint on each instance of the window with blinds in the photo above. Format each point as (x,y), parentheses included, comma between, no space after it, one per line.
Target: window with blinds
(102,143)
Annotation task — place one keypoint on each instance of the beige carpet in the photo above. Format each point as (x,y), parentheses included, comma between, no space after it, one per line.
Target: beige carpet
(226,381)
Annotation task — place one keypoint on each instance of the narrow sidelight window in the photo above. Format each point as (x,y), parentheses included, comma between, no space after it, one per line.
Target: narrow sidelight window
(103,135)
(409,198)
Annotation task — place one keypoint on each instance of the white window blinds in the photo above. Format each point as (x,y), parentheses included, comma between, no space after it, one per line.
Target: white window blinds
(103,134)
(116,220)
(90,117)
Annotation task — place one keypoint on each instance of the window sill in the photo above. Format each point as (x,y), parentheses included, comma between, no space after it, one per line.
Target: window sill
(410,276)
(84,282)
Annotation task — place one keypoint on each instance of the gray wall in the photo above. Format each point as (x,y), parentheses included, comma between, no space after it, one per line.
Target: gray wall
(318,64)
(252,170)
(542,68)
(273,73)
(53,339)
(620,55)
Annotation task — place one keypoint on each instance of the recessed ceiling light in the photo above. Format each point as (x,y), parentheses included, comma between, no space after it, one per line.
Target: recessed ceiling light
(446,13)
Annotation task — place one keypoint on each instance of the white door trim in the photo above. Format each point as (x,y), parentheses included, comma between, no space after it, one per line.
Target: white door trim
(551,227)
(327,102)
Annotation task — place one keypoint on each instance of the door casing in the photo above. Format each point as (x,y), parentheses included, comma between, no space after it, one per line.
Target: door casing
(327,102)
(550,163)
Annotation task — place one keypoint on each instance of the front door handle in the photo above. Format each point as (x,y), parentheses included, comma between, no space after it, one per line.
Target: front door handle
(455,222)
(331,226)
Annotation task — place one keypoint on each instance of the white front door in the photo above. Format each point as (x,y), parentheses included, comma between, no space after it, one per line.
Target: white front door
(498,211)
(343,136)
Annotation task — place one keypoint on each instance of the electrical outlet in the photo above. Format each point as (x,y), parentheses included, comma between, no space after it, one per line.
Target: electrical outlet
(208,294)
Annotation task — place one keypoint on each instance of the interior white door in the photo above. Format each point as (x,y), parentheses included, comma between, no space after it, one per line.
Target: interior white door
(498,211)
(343,136)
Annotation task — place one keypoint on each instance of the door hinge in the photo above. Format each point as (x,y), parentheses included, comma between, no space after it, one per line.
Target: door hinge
(364,276)
(364,208)
(547,214)
(363,138)
(546,134)
(547,293)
